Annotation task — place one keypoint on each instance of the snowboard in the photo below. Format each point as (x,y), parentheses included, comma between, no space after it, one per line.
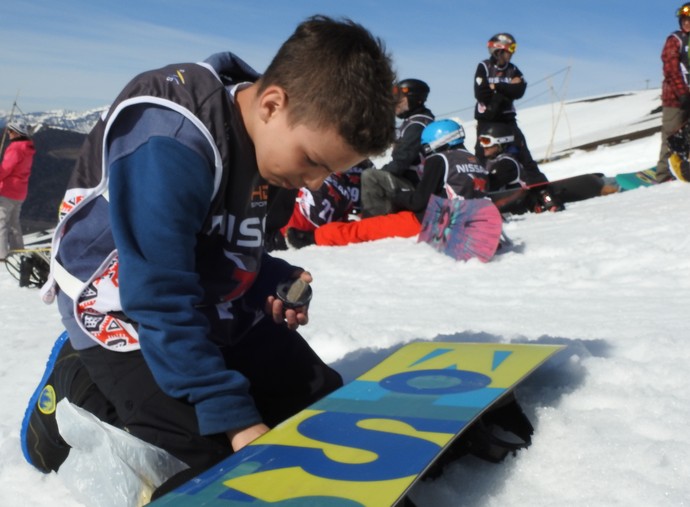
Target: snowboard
(462,228)
(636,179)
(521,200)
(30,266)
(367,443)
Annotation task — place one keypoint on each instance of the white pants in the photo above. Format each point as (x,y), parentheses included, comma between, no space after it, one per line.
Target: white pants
(10,229)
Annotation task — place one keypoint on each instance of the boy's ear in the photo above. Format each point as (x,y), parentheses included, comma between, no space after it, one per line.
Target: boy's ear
(272,100)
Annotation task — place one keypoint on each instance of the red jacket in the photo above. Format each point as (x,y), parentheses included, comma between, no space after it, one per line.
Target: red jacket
(16,168)
(675,85)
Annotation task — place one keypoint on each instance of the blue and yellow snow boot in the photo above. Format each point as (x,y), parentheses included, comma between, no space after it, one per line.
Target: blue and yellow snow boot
(65,376)
(42,445)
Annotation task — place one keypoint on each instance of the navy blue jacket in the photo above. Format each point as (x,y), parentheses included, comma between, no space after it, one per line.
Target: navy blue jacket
(167,236)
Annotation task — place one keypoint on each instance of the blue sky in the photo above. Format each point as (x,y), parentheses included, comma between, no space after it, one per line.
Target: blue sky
(77,55)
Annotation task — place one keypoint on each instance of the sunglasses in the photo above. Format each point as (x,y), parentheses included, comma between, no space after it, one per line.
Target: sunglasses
(683,11)
(404,90)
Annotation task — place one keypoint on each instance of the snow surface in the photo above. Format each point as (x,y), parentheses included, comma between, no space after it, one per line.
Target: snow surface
(609,278)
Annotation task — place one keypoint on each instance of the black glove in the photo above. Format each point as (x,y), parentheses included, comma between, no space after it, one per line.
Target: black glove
(685,106)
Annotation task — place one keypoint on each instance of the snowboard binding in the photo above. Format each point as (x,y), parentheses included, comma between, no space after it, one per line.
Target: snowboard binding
(500,432)
(679,144)
(29,267)
(544,200)
(679,141)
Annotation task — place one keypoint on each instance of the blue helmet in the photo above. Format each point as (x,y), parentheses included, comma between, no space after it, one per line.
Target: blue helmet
(440,135)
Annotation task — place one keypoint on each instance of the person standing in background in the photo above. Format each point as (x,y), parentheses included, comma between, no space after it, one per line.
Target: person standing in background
(498,83)
(15,170)
(675,94)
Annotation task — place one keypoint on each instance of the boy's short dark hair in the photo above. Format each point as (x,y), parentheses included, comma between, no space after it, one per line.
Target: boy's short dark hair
(337,74)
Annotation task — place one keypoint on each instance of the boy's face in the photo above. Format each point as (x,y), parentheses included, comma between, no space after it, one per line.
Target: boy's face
(294,156)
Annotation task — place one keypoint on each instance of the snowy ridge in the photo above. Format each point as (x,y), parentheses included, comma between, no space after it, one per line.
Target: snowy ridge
(570,124)
(609,278)
(557,129)
(60,119)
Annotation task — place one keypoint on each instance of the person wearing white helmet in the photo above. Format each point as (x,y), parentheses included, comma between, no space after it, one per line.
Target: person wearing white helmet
(506,170)
(15,170)
(675,93)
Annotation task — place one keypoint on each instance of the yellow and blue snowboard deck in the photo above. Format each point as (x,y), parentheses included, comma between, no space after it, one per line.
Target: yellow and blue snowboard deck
(368,442)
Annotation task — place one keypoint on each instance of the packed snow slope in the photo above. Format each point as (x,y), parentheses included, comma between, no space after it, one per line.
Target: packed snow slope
(609,278)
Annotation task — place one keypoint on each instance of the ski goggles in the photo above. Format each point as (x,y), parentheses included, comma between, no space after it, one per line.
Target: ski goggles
(683,11)
(489,141)
(511,48)
(400,92)
(450,139)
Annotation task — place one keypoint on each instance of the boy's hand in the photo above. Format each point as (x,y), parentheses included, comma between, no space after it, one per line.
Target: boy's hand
(292,317)
(239,439)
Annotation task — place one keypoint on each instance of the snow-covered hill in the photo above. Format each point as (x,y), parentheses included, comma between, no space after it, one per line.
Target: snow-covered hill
(609,278)
(572,129)
(59,118)
(555,130)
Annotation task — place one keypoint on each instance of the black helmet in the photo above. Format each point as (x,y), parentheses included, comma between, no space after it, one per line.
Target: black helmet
(496,134)
(683,12)
(502,41)
(415,90)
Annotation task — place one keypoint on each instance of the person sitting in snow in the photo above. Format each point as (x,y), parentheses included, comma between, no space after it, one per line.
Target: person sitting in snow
(449,170)
(336,199)
(505,169)
(175,329)
(380,185)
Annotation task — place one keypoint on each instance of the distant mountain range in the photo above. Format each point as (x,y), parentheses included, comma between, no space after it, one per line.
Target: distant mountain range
(59,119)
